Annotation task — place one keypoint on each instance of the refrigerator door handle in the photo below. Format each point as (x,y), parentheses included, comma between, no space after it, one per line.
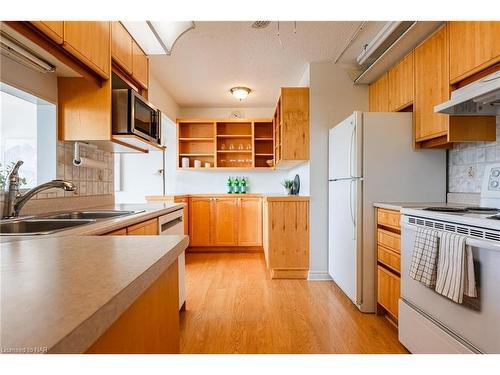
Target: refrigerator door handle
(350,149)
(351,208)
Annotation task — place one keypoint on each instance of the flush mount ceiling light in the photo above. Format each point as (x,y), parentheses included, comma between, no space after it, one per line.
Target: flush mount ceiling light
(260,24)
(240,92)
(157,38)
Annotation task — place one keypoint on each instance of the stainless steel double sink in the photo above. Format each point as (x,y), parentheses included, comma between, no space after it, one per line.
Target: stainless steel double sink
(51,223)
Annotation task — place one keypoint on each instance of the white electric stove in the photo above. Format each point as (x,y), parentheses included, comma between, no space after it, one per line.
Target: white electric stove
(431,323)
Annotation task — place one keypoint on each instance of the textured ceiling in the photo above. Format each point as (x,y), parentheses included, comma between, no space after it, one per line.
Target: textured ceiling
(207,61)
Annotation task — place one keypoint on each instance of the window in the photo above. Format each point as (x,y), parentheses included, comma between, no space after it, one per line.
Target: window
(27,133)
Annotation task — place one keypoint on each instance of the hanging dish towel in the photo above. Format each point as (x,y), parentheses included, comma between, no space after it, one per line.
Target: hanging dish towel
(455,270)
(423,267)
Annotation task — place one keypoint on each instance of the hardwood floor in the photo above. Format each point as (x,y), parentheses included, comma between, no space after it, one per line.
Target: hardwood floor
(233,307)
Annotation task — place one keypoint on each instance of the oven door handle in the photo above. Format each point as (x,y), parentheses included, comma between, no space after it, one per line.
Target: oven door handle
(474,242)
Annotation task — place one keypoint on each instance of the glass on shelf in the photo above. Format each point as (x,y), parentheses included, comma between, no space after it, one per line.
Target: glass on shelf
(223,146)
(249,146)
(240,146)
(231,146)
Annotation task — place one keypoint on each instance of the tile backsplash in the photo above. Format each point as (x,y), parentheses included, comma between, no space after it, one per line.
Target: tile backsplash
(89,181)
(467,161)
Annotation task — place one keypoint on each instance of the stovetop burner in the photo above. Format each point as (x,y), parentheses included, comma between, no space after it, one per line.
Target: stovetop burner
(482,209)
(446,209)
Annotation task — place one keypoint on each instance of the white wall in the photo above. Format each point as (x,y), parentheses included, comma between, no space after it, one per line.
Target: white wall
(225,112)
(161,98)
(332,98)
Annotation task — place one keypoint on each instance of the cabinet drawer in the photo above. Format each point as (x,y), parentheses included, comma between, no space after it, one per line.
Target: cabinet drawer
(388,290)
(388,218)
(389,239)
(388,257)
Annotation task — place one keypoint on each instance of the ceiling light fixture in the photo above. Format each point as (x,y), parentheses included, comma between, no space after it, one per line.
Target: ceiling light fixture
(158,38)
(260,24)
(240,92)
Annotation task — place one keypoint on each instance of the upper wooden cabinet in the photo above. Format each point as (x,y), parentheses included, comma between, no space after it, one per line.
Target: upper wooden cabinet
(90,41)
(53,29)
(431,86)
(378,93)
(291,127)
(140,65)
(474,46)
(121,46)
(400,84)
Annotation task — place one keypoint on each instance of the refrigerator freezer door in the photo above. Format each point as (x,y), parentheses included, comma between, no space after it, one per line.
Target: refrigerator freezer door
(343,143)
(342,238)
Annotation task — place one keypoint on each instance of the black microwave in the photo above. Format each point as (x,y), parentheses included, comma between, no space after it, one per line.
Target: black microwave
(133,114)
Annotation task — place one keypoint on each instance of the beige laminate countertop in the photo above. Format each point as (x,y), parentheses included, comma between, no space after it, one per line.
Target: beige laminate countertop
(149,211)
(283,197)
(60,294)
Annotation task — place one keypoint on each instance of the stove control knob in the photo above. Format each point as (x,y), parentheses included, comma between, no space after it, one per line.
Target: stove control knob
(494,184)
(495,172)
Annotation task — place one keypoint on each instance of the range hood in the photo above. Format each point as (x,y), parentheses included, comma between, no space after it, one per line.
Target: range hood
(481,97)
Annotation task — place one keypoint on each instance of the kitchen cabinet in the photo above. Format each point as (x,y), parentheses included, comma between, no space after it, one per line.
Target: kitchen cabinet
(225,143)
(121,46)
(432,87)
(118,232)
(146,228)
(140,65)
(378,95)
(474,46)
(225,224)
(90,42)
(400,84)
(388,291)
(200,221)
(388,262)
(250,222)
(291,127)
(286,237)
(53,29)
(150,325)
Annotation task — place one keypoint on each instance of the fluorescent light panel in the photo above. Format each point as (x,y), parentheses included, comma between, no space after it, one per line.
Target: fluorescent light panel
(157,38)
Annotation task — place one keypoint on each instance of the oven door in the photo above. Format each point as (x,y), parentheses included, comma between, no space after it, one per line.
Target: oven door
(144,118)
(474,323)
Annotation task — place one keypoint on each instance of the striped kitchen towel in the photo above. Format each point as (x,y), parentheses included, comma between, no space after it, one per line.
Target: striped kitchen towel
(455,271)
(423,265)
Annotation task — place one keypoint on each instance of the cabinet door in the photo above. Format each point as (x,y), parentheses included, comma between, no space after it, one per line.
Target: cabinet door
(140,68)
(378,95)
(225,222)
(400,81)
(473,47)
(431,86)
(250,222)
(294,117)
(53,29)
(146,228)
(118,232)
(89,41)
(200,219)
(388,290)
(121,46)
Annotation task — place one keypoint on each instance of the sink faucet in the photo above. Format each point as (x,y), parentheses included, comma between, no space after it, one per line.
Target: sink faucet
(15,200)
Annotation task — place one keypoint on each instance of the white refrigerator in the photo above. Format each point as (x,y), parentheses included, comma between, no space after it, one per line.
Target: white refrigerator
(371,159)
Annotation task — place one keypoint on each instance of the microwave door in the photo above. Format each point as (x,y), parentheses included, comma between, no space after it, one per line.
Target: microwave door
(143,120)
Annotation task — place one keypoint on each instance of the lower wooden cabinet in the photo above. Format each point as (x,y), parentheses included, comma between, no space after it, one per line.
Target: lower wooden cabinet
(150,325)
(286,237)
(388,290)
(146,228)
(388,262)
(225,221)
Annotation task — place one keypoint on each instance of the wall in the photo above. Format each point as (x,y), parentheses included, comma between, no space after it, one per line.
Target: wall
(226,112)
(466,164)
(160,97)
(333,98)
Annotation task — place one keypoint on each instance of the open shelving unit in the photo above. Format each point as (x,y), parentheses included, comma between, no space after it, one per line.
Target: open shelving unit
(226,143)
